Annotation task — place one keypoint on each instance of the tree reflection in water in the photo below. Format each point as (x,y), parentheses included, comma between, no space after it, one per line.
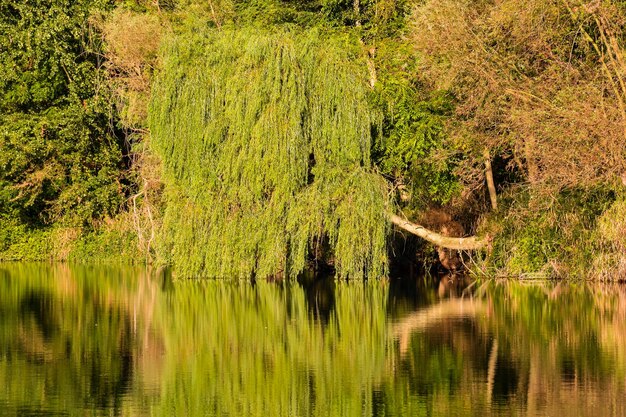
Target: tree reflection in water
(120,341)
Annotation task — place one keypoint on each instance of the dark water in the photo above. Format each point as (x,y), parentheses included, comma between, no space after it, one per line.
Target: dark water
(110,341)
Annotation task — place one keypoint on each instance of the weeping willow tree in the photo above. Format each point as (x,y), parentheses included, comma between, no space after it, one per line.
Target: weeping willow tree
(265,138)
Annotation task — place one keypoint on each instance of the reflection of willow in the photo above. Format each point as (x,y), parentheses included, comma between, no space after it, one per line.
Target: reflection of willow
(235,349)
(67,337)
(538,349)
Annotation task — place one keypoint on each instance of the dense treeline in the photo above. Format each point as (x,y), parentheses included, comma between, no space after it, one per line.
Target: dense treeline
(239,138)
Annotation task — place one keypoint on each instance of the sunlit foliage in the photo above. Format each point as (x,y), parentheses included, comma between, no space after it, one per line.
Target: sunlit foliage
(265,138)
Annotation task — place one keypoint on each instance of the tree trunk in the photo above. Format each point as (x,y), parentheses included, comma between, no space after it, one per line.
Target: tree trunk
(357,12)
(458,243)
(491,185)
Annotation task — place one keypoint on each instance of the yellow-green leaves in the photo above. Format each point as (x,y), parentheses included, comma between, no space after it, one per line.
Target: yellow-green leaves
(265,138)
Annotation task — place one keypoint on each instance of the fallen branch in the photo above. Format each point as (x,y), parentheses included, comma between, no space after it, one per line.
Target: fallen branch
(458,243)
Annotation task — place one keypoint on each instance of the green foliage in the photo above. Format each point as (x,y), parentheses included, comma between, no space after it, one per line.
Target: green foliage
(413,147)
(610,242)
(59,160)
(108,245)
(376,18)
(59,165)
(554,236)
(265,155)
(114,244)
(19,242)
(414,133)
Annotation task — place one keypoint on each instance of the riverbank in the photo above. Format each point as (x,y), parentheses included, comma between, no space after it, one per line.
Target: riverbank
(208,136)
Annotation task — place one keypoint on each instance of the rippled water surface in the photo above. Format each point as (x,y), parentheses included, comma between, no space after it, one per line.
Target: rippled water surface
(122,341)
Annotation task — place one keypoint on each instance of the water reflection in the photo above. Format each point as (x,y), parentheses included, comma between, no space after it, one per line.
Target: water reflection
(69,340)
(119,341)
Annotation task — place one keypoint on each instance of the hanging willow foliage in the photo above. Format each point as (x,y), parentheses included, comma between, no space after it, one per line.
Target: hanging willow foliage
(265,138)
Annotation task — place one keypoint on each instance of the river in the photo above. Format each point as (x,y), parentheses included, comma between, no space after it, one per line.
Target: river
(109,341)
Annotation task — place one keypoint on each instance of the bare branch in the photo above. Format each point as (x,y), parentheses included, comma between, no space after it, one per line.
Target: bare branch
(458,243)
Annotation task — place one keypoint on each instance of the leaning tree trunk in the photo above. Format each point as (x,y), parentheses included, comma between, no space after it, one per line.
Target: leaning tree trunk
(458,243)
(491,185)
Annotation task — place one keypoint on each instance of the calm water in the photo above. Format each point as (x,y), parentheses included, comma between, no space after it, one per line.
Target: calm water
(106,341)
